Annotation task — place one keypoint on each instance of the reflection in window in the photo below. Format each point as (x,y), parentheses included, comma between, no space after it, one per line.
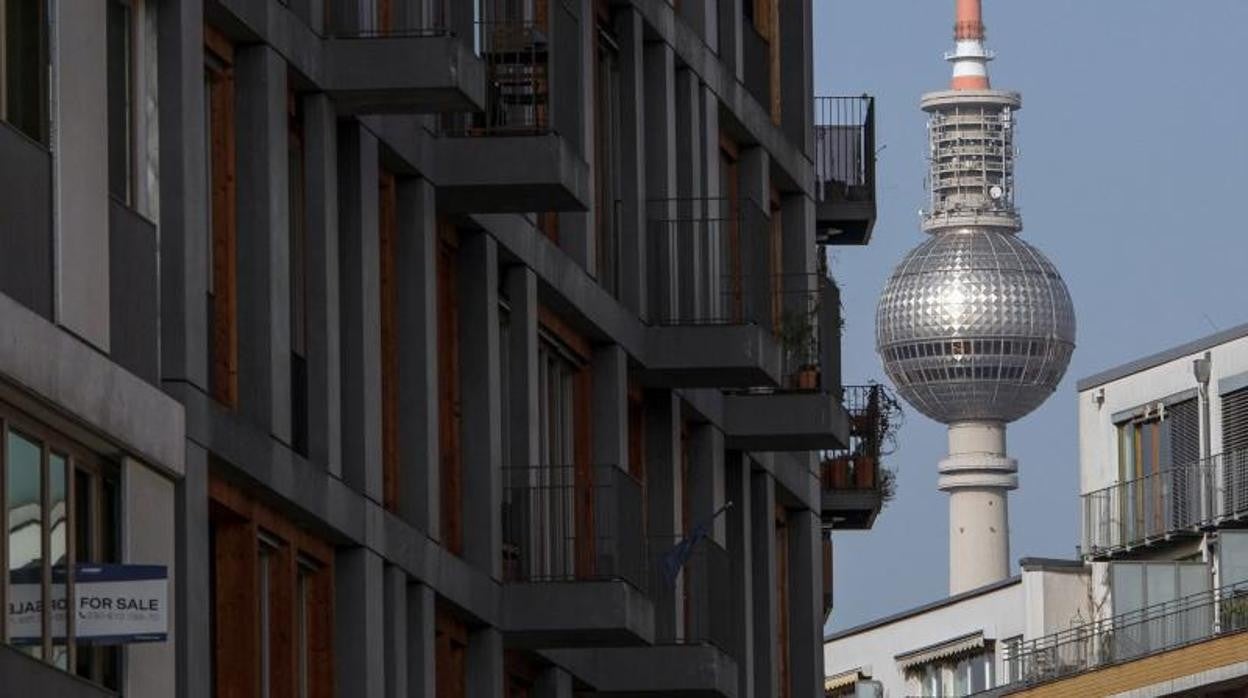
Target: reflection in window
(25,515)
(39,468)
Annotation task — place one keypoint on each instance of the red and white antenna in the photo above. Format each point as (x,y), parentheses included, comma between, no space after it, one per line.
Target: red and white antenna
(970,58)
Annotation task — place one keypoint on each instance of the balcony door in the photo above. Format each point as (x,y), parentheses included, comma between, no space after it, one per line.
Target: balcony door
(1158,466)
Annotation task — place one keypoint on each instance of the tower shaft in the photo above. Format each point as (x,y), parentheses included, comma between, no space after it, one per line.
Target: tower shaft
(978,477)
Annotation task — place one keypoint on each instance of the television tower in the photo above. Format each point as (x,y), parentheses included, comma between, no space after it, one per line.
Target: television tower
(975,326)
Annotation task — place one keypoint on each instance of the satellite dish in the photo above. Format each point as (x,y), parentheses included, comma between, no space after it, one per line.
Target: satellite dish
(996,192)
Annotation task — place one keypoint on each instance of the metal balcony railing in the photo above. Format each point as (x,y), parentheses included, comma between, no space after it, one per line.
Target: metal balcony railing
(709,262)
(371,20)
(874,415)
(694,603)
(1128,636)
(845,149)
(1159,505)
(564,523)
(516,58)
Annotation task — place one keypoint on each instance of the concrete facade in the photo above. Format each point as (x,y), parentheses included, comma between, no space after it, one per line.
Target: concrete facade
(570,248)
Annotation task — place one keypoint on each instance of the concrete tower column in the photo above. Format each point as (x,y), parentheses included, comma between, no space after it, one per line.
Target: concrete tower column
(978,477)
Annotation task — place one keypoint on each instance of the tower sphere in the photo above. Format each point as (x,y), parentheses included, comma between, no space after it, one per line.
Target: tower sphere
(975,324)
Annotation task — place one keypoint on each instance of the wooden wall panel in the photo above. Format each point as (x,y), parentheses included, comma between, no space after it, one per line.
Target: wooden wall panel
(388,224)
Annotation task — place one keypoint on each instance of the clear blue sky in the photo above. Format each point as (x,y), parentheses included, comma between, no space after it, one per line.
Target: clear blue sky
(1133,180)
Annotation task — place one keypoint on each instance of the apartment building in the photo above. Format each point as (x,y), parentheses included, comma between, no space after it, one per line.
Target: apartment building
(424,347)
(1156,604)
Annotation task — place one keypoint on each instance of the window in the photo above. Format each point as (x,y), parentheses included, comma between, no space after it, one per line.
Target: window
(1155,451)
(24,66)
(731,292)
(607,153)
(219,147)
(52,487)
(1012,660)
(1235,421)
(388,224)
(298,245)
(272,601)
(1235,451)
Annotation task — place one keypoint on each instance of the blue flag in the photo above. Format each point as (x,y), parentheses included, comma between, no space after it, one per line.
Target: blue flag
(674,560)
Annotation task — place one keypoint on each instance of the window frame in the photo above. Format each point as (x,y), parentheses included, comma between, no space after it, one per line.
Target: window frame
(77,459)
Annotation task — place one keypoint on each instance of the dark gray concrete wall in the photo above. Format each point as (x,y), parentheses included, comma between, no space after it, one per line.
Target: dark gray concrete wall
(25,676)
(26,221)
(134,292)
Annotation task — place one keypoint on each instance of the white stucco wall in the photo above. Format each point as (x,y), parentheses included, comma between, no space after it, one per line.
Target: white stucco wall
(1056,600)
(999,614)
(1098,448)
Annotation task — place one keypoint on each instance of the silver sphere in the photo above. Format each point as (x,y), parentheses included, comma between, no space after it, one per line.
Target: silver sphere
(975,324)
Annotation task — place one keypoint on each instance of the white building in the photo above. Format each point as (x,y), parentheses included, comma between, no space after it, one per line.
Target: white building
(1163,444)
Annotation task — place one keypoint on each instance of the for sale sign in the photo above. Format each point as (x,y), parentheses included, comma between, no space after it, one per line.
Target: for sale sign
(112,604)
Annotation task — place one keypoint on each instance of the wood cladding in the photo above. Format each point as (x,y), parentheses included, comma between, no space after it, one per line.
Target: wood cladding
(782,603)
(272,597)
(451,650)
(223,293)
(449,403)
(388,225)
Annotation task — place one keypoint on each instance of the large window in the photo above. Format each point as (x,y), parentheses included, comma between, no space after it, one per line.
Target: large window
(1158,454)
(607,153)
(221,248)
(61,508)
(272,601)
(24,66)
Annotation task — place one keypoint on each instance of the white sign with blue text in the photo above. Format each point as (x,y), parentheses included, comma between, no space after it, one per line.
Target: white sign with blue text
(113,604)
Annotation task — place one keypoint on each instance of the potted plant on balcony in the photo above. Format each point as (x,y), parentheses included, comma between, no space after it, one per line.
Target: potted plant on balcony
(800,343)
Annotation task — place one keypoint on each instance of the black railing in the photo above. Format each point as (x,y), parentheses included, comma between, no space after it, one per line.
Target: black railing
(344,20)
(873,420)
(567,523)
(517,92)
(845,149)
(1129,636)
(1185,498)
(693,602)
(709,261)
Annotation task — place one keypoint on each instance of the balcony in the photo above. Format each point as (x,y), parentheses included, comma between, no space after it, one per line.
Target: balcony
(805,412)
(1171,504)
(401,69)
(694,638)
(711,304)
(1128,637)
(507,158)
(574,563)
(855,487)
(844,170)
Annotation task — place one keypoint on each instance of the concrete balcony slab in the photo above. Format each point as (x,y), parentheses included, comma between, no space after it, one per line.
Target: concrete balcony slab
(609,613)
(840,221)
(510,173)
(417,74)
(785,421)
(711,356)
(850,510)
(689,671)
